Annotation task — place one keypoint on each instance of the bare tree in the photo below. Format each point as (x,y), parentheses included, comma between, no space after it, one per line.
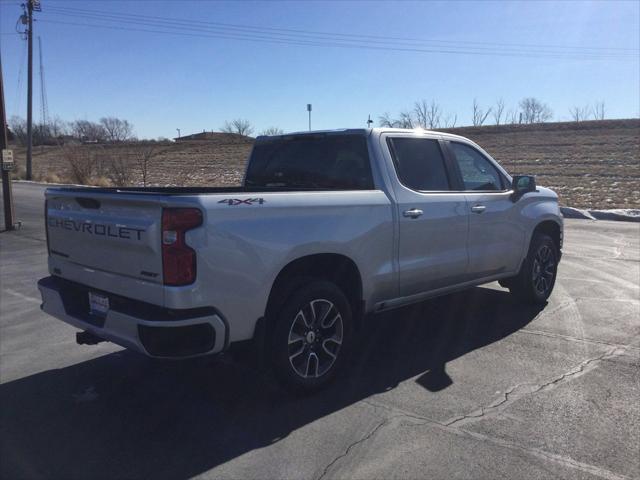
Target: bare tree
(598,110)
(580,114)
(450,121)
(405,120)
(385,120)
(239,126)
(81,163)
(19,127)
(119,171)
(428,115)
(272,131)
(511,117)
(479,114)
(144,159)
(116,129)
(42,135)
(421,109)
(84,130)
(58,127)
(498,111)
(534,111)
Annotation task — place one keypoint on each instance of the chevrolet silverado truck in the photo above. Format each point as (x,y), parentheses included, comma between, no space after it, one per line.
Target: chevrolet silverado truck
(326,228)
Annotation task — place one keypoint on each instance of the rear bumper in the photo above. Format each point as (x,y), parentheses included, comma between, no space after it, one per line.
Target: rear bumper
(145,328)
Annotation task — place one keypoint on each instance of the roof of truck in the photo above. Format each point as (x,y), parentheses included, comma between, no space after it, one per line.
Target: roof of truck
(365,131)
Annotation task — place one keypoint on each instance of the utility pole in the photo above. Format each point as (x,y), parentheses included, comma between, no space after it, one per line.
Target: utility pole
(7,194)
(178,132)
(369,121)
(32,6)
(309,110)
(29,87)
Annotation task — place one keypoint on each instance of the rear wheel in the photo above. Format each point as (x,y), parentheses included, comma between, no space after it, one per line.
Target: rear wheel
(537,276)
(312,335)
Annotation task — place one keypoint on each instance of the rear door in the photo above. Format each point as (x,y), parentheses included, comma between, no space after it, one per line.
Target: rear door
(433,220)
(496,237)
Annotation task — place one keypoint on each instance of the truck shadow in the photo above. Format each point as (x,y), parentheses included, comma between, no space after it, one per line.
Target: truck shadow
(122,416)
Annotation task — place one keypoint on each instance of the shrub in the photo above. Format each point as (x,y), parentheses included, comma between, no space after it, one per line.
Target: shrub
(119,171)
(81,164)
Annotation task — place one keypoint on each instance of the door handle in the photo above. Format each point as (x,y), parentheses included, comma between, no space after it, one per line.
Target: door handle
(413,213)
(478,208)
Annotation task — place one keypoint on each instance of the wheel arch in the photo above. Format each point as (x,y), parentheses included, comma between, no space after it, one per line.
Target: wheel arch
(551,228)
(333,267)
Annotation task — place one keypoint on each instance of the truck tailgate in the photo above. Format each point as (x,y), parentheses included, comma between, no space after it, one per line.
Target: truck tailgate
(110,233)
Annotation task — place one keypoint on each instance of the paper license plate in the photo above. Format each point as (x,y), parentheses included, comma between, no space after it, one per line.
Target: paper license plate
(98,304)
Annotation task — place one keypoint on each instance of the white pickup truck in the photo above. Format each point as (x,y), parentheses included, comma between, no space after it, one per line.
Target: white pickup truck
(327,227)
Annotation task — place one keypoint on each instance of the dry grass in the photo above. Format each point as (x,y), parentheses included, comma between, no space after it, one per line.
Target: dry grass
(590,164)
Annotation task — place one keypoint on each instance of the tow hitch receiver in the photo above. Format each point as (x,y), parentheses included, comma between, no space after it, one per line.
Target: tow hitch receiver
(88,338)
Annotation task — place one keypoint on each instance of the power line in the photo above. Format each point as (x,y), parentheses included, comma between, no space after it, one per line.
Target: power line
(17,97)
(171,30)
(44,107)
(316,34)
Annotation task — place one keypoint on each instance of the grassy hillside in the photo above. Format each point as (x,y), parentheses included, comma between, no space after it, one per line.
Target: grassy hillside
(592,164)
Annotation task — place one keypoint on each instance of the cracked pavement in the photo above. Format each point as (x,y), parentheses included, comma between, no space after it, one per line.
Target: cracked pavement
(471,385)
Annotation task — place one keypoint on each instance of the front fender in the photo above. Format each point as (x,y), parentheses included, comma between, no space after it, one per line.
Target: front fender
(538,207)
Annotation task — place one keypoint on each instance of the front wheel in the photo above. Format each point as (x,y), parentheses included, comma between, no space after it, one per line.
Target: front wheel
(312,336)
(537,276)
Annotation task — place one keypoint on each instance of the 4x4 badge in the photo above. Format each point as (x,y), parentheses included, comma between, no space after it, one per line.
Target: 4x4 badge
(242,201)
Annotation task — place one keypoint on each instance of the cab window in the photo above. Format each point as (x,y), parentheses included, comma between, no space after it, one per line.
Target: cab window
(477,172)
(419,163)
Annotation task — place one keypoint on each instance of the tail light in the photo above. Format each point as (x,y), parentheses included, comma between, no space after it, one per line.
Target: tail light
(178,259)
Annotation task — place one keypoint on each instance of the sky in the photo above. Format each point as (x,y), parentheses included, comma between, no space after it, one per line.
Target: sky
(263,62)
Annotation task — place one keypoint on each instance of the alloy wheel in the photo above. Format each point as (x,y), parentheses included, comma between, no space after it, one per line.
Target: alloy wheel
(544,267)
(315,338)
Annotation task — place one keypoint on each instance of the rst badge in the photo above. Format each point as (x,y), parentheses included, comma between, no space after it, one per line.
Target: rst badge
(242,201)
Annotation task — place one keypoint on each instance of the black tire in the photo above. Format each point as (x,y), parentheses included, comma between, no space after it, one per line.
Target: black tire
(312,336)
(534,283)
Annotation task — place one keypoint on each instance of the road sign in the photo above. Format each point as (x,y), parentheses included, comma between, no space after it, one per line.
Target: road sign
(7,159)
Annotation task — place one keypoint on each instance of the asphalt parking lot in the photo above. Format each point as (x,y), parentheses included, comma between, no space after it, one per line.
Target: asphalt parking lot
(470,385)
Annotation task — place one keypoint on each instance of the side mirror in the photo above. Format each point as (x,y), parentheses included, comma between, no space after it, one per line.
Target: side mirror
(522,184)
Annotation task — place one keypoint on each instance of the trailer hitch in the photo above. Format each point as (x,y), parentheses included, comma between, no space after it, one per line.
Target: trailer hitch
(88,338)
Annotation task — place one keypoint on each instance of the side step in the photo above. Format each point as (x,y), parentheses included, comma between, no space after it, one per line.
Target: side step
(88,338)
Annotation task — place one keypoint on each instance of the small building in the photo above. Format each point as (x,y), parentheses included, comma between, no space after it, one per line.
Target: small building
(217,137)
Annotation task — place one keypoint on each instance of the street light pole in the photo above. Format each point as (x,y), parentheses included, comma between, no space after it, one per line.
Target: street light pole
(309,110)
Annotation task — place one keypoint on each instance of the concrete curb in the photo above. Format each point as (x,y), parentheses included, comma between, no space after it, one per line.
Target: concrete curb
(619,215)
(570,212)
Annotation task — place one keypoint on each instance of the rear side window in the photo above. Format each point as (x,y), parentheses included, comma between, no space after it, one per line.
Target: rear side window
(419,163)
(339,162)
(477,172)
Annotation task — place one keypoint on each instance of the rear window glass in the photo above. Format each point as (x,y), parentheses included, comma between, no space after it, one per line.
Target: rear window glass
(338,162)
(420,164)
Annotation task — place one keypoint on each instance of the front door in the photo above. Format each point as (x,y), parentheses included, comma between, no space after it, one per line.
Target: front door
(496,237)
